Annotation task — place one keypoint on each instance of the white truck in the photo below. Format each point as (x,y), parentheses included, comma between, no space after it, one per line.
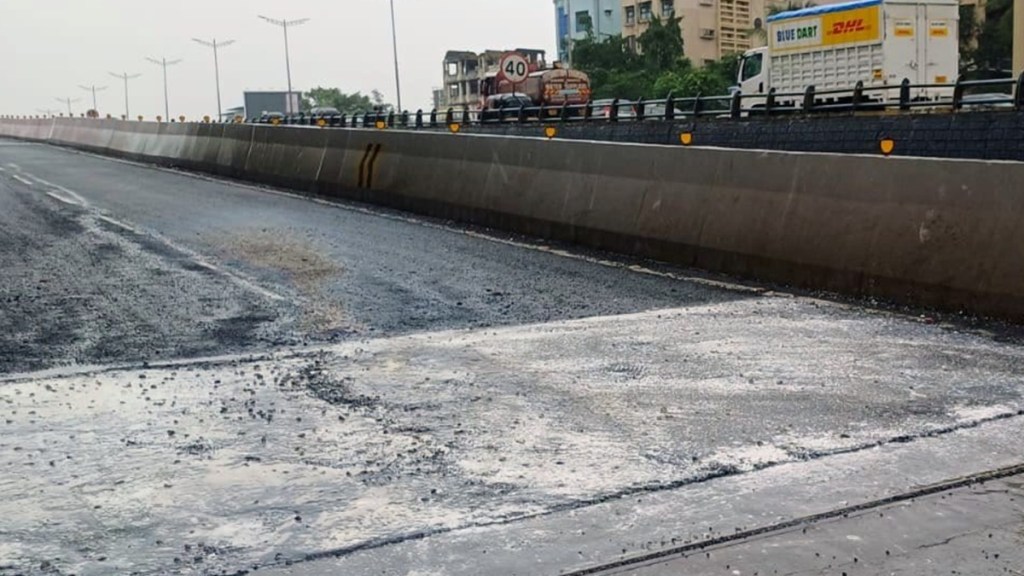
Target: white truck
(877,42)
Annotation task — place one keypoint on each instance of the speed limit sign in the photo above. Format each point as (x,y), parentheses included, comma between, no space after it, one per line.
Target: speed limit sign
(513,68)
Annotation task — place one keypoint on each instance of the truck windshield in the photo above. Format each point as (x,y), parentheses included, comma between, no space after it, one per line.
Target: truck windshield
(752,66)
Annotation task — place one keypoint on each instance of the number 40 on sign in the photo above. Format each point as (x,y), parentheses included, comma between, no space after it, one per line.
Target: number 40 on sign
(513,68)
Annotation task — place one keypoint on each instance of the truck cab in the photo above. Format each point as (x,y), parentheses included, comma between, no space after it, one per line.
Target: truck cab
(754,72)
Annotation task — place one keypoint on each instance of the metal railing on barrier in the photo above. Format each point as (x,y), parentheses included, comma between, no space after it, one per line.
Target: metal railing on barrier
(903,97)
(858,98)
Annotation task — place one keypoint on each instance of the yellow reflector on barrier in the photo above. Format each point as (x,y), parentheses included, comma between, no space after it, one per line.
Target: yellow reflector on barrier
(550,131)
(686,138)
(181,118)
(887,145)
(206,119)
(140,118)
(321,122)
(380,124)
(454,127)
(275,121)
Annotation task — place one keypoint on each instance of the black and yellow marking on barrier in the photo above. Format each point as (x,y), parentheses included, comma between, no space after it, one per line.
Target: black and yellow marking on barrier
(367,165)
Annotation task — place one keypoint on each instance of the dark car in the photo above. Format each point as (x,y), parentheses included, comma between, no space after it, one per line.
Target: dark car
(505,106)
(270,117)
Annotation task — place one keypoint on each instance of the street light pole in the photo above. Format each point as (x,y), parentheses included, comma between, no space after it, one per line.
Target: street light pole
(68,101)
(394,46)
(287,57)
(126,77)
(216,66)
(164,63)
(1018,39)
(94,89)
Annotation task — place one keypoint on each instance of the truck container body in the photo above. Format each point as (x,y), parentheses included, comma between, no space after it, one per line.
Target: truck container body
(877,42)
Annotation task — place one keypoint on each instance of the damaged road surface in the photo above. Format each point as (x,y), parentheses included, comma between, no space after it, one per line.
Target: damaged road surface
(205,378)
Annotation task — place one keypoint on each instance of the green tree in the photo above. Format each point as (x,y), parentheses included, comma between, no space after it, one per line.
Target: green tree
(335,98)
(987,48)
(662,44)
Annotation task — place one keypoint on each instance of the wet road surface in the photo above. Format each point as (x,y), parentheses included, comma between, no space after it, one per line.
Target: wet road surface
(198,377)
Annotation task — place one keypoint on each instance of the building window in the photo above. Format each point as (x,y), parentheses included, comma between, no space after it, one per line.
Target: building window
(583,21)
(453,92)
(645,11)
(630,15)
(453,68)
(668,8)
(474,87)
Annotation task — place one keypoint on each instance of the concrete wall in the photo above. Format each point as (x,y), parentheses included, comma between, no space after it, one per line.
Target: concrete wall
(943,233)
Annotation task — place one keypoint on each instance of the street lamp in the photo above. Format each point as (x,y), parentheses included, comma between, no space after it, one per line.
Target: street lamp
(164,63)
(68,102)
(394,46)
(126,77)
(216,65)
(287,58)
(94,89)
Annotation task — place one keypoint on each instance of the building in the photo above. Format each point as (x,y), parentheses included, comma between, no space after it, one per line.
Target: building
(575,19)
(463,72)
(711,28)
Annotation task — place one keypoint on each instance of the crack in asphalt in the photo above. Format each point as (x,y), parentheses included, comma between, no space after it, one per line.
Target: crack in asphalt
(845,511)
(723,472)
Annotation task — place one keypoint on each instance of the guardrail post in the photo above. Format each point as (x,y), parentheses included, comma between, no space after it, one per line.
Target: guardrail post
(736,105)
(1018,96)
(405,118)
(613,114)
(809,99)
(521,114)
(641,109)
(769,103)
(858,94)
(696,106)
(366,119)
(391,119)
(564,112)
(905,94)
(449,117)
(958,93)
(341,121)
(433,117)
(588,110)
(670,107)
(419,118)
(355,120)
(465,116)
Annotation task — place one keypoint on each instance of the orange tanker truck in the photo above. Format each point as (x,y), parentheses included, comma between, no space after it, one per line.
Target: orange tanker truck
(550,87)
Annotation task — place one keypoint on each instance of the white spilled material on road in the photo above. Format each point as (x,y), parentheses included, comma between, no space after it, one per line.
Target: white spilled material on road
(422,434)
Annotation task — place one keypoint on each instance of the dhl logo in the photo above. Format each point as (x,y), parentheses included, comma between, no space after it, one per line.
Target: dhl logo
(848,26)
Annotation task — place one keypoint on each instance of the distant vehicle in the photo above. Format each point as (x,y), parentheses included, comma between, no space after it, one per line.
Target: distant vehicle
(657,111)
(506,106)
(602,109)
(877,42)
(988,100)
(550,87)
(268,117)
(324,112)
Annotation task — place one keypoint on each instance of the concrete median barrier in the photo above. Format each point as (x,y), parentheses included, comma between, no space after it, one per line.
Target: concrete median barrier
(941,233)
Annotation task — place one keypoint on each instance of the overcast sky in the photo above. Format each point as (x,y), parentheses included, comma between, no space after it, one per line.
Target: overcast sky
(50,47)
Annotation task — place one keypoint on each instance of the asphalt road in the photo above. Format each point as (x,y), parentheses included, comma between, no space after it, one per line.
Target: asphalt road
(199,377)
